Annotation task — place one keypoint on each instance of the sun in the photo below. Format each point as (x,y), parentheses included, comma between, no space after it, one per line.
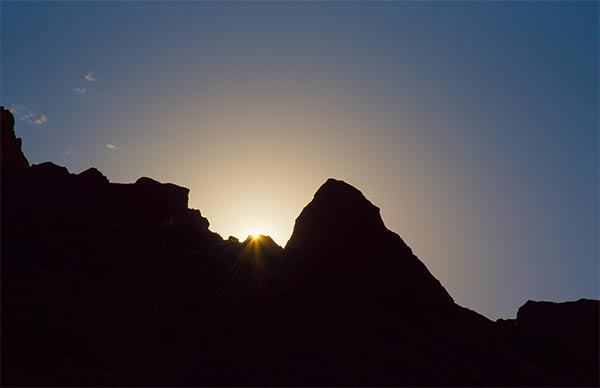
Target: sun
(255,235)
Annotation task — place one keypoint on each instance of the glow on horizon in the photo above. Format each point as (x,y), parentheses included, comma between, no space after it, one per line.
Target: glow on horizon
(473,126)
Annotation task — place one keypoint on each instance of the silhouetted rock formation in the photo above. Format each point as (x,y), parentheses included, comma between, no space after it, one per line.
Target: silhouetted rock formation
(92,177)
(563,336)
(341,243)
(12,155)
(108,284)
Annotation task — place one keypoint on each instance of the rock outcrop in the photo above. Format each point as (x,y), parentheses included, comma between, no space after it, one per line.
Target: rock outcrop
(564,336)
(340,242)
(92,177)
(12,157)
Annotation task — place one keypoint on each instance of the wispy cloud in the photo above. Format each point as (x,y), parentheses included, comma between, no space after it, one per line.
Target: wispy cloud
(22,113)
(16,110)
(90,76)
(27,116)
(112,147)
(42,120)
(80,90)
(66,153)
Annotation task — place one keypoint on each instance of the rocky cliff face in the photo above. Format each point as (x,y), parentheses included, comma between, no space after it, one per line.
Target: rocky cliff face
(12,155)
(123,285)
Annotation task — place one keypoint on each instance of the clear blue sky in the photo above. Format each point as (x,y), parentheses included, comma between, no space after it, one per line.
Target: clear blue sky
(472,125)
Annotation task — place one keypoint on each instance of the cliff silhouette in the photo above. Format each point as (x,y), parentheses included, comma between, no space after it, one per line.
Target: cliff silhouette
(107,284)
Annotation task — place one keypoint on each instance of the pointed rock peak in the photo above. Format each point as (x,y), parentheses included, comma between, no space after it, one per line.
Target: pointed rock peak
(338,213)
(336,184)
(340,242)
(338,190)
(339,210)
(340,196)
(92,176)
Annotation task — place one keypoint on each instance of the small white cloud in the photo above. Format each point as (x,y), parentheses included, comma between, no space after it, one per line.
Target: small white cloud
(90,76)
(22,113)
(41,120)
(112,147)
(27,116)
(80,90)
(67,153)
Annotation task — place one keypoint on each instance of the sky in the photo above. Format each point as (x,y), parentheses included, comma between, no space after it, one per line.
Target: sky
(472,125)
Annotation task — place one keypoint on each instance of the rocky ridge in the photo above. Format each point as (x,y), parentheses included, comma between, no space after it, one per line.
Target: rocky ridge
(123,285)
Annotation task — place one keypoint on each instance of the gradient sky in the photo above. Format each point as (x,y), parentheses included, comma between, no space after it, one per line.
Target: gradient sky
(472,125)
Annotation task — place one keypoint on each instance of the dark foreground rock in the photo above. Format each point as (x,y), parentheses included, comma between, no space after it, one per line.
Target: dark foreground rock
(109,284)
(10,146)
